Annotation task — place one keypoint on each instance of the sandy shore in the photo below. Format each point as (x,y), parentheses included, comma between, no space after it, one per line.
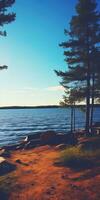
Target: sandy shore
(38,178)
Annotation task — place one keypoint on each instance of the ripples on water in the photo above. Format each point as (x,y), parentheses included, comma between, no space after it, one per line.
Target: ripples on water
(15,124)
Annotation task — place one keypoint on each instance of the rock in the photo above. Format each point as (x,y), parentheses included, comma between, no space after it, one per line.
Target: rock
(71,139)
(18,161)
(52,138)
(2,160)
(5,153)
(26,139)
(92,144)
(95,128)
(48,137)
(22,163)
(10,147)
(96,124)
(5,166)
(33,136)
(2,151)
(80,133)
(21,145)
(38,139)
(32,144)
(60,138)
(67,138)
(61,147)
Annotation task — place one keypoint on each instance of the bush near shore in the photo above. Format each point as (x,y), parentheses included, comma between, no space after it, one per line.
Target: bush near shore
(77,158)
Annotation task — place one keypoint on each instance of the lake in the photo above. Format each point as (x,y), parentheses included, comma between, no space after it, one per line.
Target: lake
(15,124)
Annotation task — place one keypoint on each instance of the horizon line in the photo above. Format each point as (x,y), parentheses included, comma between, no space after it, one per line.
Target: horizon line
(41,106)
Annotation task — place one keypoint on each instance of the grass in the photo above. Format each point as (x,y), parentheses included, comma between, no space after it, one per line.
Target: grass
(76,158)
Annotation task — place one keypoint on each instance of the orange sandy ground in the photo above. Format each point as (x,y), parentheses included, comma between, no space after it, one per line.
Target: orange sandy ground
(37,178)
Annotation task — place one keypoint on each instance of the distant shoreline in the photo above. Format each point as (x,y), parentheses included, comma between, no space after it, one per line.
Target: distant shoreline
(43,107)
(27,107)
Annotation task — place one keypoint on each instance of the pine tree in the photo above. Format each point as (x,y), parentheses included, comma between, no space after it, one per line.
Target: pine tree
(84,40)
(5,18)
(3,67)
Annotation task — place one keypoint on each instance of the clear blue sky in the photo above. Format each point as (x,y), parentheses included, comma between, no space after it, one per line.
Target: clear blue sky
(32,53)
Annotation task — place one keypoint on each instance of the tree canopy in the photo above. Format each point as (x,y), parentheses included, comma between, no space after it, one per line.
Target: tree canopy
(82,55)
(6,17)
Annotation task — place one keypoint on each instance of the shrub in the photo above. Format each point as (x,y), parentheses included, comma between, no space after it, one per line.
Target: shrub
(77,158)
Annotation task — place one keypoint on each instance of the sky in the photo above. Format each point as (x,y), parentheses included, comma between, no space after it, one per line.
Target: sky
(31,51)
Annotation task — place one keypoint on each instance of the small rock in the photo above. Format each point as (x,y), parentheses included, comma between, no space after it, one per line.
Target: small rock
(5,166)
(1,151)
(32,144)
(33,136)
(61,147)
(5,153)
(18,161)
(2,160)
(22,163)
(90,144)
(26,139)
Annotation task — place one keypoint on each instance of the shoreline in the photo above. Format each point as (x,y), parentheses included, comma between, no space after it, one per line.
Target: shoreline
(45,106)
(42,138)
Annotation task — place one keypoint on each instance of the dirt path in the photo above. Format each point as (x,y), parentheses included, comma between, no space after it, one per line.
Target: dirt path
(37,178)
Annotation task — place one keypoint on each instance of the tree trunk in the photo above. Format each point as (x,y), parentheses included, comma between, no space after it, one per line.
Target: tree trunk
(88,102)
(88,105)
(87,126)
(74,118)
(92,103)
(71,118)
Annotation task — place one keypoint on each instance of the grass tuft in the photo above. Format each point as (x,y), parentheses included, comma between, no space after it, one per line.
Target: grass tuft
(76,158)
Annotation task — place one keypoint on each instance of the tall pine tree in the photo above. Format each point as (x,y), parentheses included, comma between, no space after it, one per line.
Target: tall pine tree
(84,41)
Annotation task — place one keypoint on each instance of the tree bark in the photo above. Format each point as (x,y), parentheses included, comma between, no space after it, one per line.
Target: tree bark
(74,118)
(92,103)
(71,118)
(87,126)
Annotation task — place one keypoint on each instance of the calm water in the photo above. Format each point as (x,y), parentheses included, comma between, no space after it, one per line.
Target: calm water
(17,123)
